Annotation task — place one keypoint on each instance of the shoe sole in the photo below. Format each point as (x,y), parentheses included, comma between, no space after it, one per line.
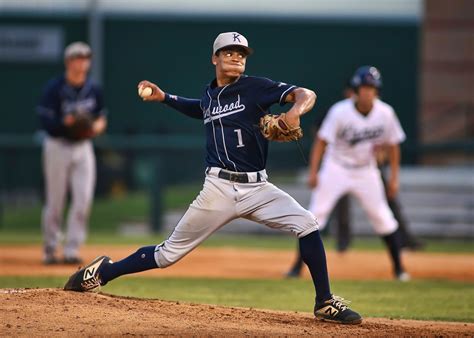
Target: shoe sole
(52,263)
(329,320)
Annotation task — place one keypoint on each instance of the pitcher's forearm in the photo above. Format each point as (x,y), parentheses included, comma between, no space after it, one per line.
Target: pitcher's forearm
(304,100)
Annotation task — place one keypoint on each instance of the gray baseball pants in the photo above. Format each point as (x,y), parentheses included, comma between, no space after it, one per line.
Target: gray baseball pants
(221,201)
(67,167)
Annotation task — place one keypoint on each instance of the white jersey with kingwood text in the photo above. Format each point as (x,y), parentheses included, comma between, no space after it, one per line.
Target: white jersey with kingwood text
(352,137)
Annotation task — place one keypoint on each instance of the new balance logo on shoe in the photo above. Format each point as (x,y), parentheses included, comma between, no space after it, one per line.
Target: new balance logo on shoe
(330,310)
(336,310)
(91,270)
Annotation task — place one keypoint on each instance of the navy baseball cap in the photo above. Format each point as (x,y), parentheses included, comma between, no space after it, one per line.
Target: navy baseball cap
(228,39)
(367,75)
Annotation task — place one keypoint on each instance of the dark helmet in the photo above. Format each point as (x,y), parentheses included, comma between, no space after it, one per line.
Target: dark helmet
(368,76)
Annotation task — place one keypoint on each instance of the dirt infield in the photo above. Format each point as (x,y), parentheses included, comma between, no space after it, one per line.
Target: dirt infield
(56,312)
(251,263)
(53,312)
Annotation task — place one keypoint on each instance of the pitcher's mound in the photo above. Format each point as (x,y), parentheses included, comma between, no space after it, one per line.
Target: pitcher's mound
(53,311)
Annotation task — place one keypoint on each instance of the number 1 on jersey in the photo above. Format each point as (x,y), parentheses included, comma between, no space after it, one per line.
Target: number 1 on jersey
(239,138)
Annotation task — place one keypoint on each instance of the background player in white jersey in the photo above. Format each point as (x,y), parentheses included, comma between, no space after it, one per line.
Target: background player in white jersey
(341,209)
(236,181)
(71,111)
(352,132)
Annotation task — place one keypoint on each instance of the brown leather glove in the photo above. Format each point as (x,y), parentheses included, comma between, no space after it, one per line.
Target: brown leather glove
(275,128)
(81,129)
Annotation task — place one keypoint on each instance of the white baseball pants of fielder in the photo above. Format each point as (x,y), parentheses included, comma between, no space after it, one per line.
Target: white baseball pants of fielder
(67,166)
(335,180)
(220,201)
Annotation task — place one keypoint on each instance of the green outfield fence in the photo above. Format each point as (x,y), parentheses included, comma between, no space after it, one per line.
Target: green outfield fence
(141,162)
(148,145)
(320,54)
(147,162)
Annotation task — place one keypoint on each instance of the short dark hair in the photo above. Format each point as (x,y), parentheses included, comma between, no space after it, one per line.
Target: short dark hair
(232,47)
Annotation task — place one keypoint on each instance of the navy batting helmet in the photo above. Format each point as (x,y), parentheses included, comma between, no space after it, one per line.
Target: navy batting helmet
(368,76)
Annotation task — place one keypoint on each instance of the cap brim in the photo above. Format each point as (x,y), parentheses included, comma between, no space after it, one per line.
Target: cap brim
(78,55)
(248,50)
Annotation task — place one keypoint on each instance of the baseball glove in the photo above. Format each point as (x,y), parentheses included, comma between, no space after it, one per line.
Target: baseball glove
(275,128)
(81,129)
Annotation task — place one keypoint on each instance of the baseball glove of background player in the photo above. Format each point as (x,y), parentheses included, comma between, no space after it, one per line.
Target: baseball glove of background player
(81,129)
(275,128)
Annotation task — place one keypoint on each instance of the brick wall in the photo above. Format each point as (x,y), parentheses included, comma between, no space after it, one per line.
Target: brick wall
(447,78)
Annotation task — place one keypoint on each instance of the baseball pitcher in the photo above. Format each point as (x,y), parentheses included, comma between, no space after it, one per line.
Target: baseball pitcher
(234,110)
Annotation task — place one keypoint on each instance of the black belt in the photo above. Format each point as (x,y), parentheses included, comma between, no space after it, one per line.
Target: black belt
(236,177)
(66,140)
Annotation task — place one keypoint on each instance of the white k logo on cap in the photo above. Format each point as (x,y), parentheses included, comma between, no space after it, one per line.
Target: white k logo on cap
(231,39)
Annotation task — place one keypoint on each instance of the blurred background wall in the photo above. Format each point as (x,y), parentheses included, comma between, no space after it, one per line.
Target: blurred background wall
(170,45)
(424,50)
(447,81)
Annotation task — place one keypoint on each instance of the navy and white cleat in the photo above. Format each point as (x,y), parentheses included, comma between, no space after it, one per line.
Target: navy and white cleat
(88,278)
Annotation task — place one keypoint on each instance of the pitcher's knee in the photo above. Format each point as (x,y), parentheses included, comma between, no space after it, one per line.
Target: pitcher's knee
(165,258)
(308,225)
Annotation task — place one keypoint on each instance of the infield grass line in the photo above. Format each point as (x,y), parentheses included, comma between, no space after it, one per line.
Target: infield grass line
(255,241)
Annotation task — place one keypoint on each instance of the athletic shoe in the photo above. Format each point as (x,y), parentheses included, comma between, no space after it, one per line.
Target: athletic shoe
(50,260)
(335,310)
(88,278)
(413,245)
(295,272)
(342,246)
(72,260)
(403,276)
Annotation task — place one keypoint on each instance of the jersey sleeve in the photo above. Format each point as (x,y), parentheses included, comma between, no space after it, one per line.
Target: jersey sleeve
(48,110)
(328,130)
(395,133)
(272,92)
(189,107)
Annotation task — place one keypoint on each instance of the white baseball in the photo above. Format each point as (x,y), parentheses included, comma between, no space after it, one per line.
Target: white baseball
(145,91)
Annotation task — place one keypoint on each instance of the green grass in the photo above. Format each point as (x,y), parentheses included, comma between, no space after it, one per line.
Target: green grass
(424,300)
(22,225)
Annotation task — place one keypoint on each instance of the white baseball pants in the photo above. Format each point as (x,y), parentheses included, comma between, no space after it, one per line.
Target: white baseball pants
(365,184)
(220,201)
(67,167)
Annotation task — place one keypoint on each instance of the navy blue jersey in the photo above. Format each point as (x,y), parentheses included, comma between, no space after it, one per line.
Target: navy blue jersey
(231,116)
(60,99)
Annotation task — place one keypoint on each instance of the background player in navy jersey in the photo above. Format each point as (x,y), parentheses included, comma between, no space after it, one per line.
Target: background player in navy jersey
(236,181)
(68,155)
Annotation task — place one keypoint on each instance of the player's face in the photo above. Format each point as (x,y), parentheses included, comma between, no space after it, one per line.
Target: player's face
(79,65)
(230,62)
(366,94)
